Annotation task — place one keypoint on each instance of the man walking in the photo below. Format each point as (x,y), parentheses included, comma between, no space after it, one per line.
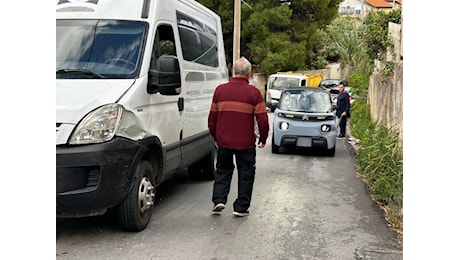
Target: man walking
(343,109)
(231,122)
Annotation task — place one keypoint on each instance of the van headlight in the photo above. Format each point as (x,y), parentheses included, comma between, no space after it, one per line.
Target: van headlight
(98,126)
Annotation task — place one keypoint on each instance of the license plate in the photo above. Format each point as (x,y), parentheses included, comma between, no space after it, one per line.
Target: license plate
(304,141)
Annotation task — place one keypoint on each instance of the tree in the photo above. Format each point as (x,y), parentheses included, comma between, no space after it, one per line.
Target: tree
(225,10)
(343,35)
(340,42)
(269,40)
(374,32)
(276,35)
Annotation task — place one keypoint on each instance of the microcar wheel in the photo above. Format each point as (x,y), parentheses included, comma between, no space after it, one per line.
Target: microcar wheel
(330,152)
(136,209)
(275,148)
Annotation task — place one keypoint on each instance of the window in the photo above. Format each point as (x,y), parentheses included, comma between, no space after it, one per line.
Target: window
(107,48)
(305,101)
(163,45)
(282,82)
(198,41)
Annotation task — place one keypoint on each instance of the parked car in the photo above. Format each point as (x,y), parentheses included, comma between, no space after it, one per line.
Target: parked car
(327,84)
(334,91)
(277,82)
(332,85)
(305,119)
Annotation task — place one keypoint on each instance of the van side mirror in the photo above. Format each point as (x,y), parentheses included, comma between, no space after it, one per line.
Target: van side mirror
(166,78)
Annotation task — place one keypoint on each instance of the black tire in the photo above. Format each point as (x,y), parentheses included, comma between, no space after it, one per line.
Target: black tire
(330,152)
(204,169)
(275,148)
(135,210)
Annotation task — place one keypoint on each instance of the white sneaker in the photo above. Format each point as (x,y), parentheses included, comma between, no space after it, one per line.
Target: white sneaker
(240,214)
(218,207)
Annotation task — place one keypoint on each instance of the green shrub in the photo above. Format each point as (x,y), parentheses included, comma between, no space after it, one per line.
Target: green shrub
(379,157)
(380,161)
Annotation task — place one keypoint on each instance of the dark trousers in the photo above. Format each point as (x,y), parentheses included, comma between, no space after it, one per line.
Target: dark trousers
(343,125)
(246,165)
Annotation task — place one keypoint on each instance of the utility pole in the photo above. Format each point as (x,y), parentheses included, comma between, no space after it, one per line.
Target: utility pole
(236,32)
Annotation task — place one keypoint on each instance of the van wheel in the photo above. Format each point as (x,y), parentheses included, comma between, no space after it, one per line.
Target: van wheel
(136,209)
(204,169)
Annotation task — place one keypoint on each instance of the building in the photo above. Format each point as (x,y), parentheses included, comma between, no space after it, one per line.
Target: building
(362,7)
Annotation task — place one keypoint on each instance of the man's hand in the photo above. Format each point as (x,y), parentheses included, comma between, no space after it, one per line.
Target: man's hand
(261,145)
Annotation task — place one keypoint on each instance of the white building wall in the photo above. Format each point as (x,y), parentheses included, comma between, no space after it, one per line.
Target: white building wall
(351,7)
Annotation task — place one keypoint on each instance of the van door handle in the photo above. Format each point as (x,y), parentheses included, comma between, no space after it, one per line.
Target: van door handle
(180,104)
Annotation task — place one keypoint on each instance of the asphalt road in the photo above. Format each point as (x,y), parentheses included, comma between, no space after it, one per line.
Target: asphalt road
(304,206)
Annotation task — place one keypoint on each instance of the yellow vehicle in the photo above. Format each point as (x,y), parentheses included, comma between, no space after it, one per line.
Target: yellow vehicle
(281,80)
(312,80)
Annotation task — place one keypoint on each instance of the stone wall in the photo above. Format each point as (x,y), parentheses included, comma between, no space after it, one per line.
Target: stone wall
(386,98)
(260,81)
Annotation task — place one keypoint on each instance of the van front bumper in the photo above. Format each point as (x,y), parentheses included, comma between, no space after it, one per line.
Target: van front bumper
(92,178)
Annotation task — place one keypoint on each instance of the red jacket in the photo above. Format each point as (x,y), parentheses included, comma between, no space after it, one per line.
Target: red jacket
(231,120)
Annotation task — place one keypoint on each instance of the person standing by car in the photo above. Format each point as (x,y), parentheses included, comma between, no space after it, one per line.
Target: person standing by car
(343,109)
(234,106)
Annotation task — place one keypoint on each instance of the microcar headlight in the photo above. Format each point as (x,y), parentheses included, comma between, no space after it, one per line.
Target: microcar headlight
(325,128)
(284,126)
(98,126)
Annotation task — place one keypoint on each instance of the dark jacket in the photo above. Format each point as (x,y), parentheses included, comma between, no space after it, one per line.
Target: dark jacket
(343,103)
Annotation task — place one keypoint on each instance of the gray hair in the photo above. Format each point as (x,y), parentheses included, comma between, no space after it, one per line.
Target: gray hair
(242,66)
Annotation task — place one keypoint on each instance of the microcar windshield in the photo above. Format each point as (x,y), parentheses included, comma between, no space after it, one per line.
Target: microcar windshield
(305,101)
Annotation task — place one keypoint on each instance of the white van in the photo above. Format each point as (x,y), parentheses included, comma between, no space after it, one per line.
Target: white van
(134,85)
(277,82)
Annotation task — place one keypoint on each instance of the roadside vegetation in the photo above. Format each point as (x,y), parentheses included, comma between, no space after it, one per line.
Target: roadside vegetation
(379,159)
(380,155)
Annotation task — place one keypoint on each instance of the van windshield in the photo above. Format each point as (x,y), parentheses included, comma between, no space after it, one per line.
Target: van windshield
(282,82)
(99,48)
